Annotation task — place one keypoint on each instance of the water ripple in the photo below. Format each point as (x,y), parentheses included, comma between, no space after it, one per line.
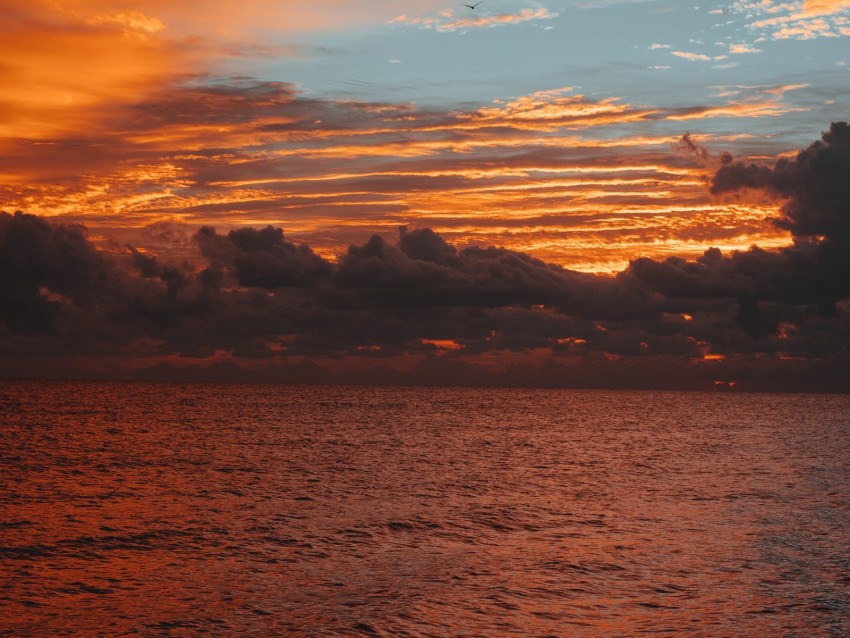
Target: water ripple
(186,510)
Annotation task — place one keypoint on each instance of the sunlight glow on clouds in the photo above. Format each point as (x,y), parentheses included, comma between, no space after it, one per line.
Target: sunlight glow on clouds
(128,126)
(501,19)
(822,7)
(798,20)
(542,172)
(449,21)
(737,49)
(691,57)
(64,69)
(258,300)
(130,20)
(421,219)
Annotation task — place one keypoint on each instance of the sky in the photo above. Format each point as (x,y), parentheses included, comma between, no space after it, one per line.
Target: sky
(605,193)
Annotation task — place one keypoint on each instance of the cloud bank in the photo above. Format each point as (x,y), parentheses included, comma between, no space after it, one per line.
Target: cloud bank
(251,304)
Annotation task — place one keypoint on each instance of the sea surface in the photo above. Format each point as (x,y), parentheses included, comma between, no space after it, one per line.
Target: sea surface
(223,510)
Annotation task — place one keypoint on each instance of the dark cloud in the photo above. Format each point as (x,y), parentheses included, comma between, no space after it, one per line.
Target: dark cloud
(426,245)
(688,146)
(421,310)
(816,184)
(44,267)
(424,271)
(262,258)
(771,287)
(145,264)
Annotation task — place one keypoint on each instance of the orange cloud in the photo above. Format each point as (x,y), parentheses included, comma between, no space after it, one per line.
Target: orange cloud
(806,30)
(66,64)
(500,19)
(132,21)
(551,105)
(760,108)
(691,57)
(551,173)
(236,18)
(815,19)
(824,7)
(738,49)
(64,70)
(447,20)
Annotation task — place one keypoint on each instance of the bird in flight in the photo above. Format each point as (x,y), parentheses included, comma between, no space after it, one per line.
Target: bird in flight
(472,6)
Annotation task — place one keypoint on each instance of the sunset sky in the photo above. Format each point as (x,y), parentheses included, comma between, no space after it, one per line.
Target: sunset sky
(200,184)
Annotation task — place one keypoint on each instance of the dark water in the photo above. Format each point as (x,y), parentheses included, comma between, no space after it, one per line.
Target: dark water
(172,510)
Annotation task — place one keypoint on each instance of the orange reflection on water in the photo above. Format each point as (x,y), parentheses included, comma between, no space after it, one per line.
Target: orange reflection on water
(237,510)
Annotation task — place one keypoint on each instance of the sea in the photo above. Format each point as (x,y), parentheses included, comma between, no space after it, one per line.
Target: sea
(130,509)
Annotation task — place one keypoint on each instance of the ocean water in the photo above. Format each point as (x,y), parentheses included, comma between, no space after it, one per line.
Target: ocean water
(208,510)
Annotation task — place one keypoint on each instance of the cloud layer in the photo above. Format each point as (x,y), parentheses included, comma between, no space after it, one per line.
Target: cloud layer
(576,180)
(251,302)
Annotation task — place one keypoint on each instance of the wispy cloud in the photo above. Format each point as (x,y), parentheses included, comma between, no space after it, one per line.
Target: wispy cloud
(797,20)
(692,57)
(738,49)
(448,21)
(133,21)
(501,19)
